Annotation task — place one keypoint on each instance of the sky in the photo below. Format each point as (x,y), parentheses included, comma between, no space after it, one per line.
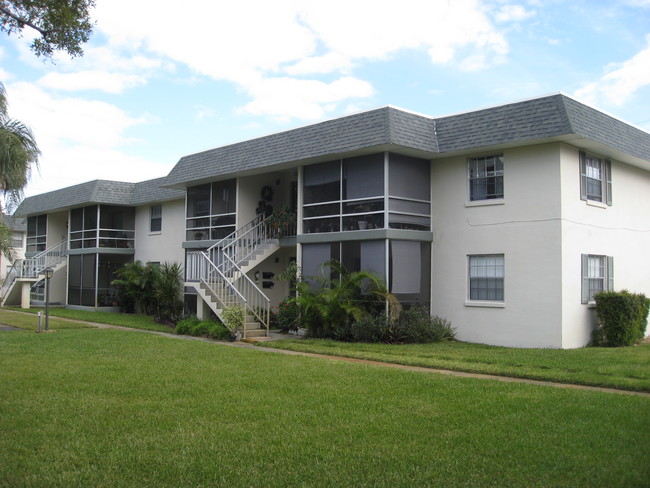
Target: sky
(161,79)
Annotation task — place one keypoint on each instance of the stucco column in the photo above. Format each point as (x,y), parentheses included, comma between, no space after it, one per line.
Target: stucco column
(25,292)
(202,309)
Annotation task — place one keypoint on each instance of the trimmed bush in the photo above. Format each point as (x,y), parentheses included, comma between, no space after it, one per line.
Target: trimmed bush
(622,318)
(206,328)
(186,325)
(417,325)
(371,328)
(414,325)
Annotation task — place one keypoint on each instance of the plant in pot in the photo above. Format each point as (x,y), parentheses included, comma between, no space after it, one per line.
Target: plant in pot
(233,319)
(363,222)
(282,222)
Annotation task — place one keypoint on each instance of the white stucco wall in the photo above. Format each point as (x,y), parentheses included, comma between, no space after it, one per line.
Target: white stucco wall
(57,227)
(249,192)
(525,228)
(166,245)
(621,231)
(280,289)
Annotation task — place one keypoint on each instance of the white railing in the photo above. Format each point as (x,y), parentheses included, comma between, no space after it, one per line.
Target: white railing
(10,279)
(34,266)
(219,268)
(230,289)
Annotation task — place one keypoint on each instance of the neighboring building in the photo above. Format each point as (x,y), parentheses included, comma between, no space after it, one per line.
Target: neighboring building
(18,228)
(505,220)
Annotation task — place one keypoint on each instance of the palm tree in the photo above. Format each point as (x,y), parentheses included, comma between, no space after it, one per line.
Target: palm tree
(18,151)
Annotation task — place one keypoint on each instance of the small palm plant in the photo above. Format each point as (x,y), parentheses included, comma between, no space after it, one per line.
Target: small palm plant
(329,308)
(168,291)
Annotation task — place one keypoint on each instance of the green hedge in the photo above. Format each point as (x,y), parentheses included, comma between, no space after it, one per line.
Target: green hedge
(206,328)
(622,318)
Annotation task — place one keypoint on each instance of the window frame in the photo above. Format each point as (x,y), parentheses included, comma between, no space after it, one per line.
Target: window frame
(499,301)
(605,180)
(607,278)
(494,175)
(153,218)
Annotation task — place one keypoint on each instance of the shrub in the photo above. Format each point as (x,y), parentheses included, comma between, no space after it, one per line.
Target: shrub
(622,318)
(202,328)
(417,325)
(371,328)
(233,318)
(168,292)
(328,307)
(288,315)
(185,326)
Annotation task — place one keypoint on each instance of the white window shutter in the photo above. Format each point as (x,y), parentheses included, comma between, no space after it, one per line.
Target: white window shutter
(608,179)
(583,175)
(610,273)
(585,278)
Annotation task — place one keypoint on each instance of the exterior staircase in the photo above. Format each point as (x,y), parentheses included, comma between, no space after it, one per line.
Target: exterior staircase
(27,272)
(219,274)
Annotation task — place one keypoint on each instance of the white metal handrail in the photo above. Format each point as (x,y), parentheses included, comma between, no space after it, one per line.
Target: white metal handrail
(34,266)
(10,278)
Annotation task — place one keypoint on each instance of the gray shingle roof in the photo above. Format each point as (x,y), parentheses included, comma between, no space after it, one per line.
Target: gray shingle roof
(98,191)
(554,117)
(151,191)
(537,119)
(374,128)
(14,223)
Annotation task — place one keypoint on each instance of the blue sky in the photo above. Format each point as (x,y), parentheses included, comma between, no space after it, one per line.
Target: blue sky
(157,83)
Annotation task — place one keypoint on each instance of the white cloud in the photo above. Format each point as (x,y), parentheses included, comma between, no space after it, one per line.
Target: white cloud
(512,13)
(284,98)
(202,112)
(79,139)
(73,120)
(620,81)
(259,44)
(91,80)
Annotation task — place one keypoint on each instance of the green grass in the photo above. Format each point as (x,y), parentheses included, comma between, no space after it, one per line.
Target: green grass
(625,368)
(30,321)
(93,407)
(135,321)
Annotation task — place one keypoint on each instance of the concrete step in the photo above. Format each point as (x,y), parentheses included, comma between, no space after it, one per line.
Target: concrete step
(255,333)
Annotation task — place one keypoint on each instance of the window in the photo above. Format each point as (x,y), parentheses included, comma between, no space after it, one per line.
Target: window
(36,233)
(16,239)
(155,222)
(595,179)
(211,210)
(486,275)
(597,275)
(350,194)
(486,177)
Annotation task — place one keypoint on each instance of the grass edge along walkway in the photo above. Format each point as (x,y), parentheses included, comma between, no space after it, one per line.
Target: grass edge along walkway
(386,364)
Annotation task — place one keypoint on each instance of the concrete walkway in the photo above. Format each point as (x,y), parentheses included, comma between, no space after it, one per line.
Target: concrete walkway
(279,336)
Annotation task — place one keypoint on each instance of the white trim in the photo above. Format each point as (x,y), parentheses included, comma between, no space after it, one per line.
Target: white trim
(596,203)
(482,203)
(486,304)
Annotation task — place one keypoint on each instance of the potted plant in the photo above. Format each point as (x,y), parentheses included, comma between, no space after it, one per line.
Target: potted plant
(282,222)
(233,319)
(363,223)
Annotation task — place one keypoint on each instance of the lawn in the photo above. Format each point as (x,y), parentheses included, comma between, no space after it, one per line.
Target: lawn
(136,321)
(30,322)
(97,407)
(623,367)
